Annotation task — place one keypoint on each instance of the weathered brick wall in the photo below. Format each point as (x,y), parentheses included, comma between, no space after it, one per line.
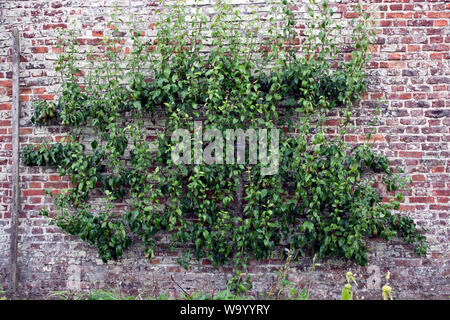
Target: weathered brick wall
(410,66)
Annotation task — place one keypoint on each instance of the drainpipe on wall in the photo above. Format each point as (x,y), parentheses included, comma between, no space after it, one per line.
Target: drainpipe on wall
(15,199)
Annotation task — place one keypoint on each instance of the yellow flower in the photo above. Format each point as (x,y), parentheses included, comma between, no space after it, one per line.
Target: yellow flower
(387,292)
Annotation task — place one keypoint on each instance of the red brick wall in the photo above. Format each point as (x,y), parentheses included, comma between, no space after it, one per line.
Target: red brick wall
(410,67)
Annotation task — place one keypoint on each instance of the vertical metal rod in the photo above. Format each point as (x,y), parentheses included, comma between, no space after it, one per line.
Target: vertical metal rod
(15,200)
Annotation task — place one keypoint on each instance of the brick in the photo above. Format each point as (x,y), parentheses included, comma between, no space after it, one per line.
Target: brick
(440,23)
(25,131)
(438,170)
(418,177)
(34,200)
(47,97)
(6,83)
(35,185)
(439,207)
(414,47)
(39,49)
(436,56)
(57,185)
(399,15)
(409,69)
(54,26)
(396,7)
(438,15)
(404,207)
(441,192)
(410,154)
(27,193)
(420,23)
(38,90)
(97,33)
(421,200)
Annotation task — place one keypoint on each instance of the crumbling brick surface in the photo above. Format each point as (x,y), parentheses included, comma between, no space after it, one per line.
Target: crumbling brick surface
(410,67)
